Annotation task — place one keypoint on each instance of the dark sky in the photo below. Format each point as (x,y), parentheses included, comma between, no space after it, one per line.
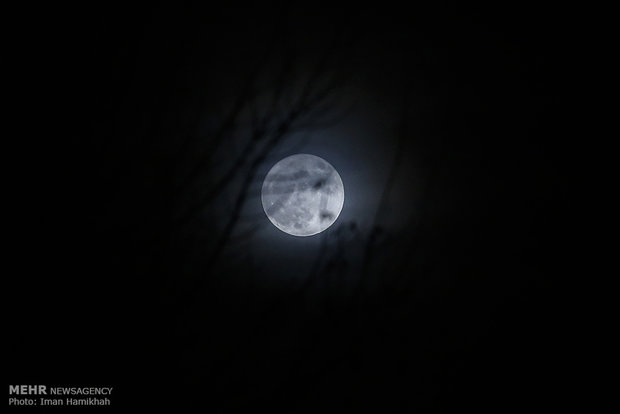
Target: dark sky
(148,263)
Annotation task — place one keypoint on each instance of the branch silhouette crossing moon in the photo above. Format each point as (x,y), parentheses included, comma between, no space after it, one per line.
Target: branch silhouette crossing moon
(302,195)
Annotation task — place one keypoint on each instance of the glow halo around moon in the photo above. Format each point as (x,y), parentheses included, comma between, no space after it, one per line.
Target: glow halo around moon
(302,195)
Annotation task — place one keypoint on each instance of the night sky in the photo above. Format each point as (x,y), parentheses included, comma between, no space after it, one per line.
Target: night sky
(149,265)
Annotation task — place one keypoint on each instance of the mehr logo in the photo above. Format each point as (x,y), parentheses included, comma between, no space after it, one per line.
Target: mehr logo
(38,395)
(27,389)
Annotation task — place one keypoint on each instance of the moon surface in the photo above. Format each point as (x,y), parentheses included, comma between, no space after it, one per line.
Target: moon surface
(302,195)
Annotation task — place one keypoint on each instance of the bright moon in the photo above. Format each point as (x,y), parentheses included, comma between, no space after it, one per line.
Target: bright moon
(302,195)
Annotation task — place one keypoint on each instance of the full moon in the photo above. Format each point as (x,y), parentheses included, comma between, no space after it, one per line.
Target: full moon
(302,195)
